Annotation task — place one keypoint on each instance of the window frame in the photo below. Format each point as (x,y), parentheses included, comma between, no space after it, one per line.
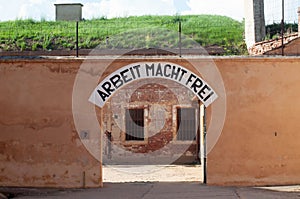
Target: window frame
(175,122)
(123,136)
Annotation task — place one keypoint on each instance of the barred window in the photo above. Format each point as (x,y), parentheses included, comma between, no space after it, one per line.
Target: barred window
(186,124)
(134,122)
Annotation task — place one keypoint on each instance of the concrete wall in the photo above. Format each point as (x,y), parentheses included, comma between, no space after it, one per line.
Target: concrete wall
(40,146)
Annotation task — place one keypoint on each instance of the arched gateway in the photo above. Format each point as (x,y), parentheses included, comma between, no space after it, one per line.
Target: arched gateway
(144,70)
(151,113)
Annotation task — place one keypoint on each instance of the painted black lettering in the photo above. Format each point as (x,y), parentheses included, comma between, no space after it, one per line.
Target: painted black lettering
(159,70)
(125,76)
(208,96)
(150,68)
(175,73)
(203,91)
(197,84)
(132,73)
(167,66)
(192,76)
(137,69)
(182,74)
(116,81)
(107,87)
(102,95)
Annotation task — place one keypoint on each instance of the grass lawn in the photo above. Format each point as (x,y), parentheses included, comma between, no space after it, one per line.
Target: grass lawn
(129,32)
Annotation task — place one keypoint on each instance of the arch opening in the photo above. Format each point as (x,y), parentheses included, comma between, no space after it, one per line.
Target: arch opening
(170,146)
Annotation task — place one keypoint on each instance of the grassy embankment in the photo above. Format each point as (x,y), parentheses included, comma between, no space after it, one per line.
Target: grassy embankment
(129,32)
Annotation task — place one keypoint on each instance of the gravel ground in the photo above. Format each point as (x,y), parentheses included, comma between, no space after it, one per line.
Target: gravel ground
(152,173)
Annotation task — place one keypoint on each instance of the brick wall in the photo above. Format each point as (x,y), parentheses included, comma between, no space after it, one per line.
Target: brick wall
(160,101)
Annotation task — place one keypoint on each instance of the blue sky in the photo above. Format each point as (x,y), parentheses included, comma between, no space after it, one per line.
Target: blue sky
(44,9)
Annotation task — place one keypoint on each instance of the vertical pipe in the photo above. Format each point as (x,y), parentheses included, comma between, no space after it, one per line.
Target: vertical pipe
(204,146)
(179,36)
(201,137)
(101,147)
(109,128)
(77,39)
(198,139)
(282,30)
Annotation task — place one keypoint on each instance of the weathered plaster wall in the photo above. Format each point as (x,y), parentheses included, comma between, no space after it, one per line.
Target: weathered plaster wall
(260,140)
(39,145)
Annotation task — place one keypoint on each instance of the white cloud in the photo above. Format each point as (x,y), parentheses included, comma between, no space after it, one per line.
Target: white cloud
(232,8)
(9,9)
(121,8)
(36,9)
(91,10)
(67,1)
(39,9)
(36,1)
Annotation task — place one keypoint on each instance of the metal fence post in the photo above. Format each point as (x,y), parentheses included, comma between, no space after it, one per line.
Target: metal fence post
(204,147)
(77,53)
(179,36)
(282,30)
